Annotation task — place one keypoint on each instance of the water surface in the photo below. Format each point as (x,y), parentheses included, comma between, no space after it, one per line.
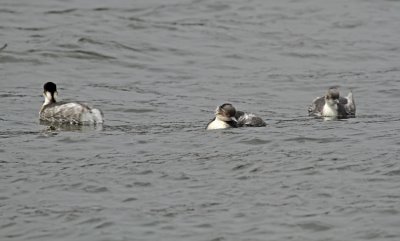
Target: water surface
(158,69)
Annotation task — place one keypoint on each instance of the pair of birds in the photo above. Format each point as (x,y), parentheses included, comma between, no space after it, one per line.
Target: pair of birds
(331,105)
(79,113)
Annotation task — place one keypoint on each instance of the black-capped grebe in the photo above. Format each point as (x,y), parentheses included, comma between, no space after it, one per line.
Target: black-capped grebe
(66,112)
(332,105)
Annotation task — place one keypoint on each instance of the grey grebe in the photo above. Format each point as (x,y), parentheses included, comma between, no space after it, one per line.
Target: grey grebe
(332,105)
(66,112)
(224,118)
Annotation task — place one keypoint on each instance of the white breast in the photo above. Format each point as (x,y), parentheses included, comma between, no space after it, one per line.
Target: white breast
(329,111)
(218,124)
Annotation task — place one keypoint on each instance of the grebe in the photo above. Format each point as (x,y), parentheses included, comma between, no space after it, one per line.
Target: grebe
(224,118)
(66,112)
(332,105)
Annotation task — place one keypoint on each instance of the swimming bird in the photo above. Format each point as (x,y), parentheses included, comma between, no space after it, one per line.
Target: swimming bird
(332,105)
(224,118)
(66,112)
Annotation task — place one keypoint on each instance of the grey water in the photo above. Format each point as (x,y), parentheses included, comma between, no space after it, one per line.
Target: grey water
(158,69)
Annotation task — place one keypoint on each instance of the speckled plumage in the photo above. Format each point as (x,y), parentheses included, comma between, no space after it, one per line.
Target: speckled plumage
(70,112)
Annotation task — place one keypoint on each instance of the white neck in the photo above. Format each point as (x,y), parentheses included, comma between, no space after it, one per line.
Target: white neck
(223,118)
(48,98)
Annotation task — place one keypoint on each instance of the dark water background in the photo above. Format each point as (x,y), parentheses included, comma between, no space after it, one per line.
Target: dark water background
(158,69)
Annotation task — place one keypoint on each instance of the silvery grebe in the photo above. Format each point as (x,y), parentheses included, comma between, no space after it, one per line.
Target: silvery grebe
(332,105)
(66,112)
